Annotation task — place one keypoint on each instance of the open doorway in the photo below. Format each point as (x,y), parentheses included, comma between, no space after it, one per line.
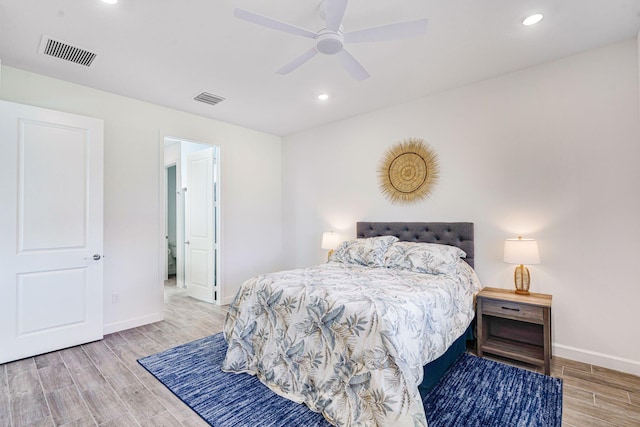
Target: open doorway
(171,224)
(191,216)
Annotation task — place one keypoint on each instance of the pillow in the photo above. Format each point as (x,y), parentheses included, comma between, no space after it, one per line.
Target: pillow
(428,258)
(369,251)
(474,280)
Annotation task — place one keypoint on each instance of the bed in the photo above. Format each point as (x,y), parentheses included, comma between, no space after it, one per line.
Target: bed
(356,338)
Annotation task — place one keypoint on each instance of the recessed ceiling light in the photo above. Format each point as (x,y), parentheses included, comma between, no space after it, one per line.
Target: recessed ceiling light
(533,19)
(110,1)
(323,96)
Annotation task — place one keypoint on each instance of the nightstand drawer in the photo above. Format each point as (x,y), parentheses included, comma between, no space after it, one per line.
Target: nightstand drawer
(513,310)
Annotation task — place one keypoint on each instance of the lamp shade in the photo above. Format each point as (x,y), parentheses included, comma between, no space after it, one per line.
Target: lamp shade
(330,240)
(521,251)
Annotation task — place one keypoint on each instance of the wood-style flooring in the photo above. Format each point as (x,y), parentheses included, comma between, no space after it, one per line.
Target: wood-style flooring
(101,383)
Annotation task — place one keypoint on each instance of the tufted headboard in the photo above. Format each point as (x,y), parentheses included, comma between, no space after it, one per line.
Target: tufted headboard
(459,234)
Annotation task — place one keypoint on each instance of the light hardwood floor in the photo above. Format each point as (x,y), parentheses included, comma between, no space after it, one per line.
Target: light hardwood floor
(102,384)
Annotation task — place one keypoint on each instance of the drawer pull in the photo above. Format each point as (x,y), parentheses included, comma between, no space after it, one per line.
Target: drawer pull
(509,308)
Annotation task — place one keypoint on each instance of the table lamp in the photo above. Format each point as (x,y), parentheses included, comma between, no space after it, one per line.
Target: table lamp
(330,240)
(521,251)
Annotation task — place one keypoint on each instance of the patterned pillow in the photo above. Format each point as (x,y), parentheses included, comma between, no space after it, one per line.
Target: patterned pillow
(428,258)
(474,280)
(369,251)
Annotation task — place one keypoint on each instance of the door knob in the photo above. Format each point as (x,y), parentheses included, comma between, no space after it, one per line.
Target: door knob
(96,257)
(187,242)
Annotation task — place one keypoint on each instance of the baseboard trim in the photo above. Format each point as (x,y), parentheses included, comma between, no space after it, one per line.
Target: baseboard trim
(111,328)
(228,300)
(599,359)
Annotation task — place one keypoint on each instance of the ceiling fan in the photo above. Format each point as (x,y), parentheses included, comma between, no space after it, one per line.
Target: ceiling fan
(331,39)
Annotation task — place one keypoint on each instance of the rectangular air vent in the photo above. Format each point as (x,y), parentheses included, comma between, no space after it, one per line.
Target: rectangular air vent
(209,98)
(63,50)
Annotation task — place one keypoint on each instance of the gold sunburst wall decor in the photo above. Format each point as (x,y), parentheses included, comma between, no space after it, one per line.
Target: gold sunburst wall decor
(408,171)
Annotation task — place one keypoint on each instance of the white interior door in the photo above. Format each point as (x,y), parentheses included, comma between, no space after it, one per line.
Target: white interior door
(200,226)
(51,230)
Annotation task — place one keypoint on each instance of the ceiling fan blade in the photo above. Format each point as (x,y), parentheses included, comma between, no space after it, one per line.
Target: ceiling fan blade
(272,23)
(352,65)
(402,30)
(297,62)
(335,13)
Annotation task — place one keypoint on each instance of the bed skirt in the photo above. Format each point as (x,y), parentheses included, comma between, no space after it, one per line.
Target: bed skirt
(435,370)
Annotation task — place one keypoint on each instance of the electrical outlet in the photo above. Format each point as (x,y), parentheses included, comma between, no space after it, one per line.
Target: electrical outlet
(115,298)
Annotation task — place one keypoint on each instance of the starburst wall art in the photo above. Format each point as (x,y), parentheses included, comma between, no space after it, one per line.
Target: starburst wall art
(408,172)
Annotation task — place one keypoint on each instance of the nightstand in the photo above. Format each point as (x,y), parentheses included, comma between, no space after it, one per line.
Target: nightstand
(515,326)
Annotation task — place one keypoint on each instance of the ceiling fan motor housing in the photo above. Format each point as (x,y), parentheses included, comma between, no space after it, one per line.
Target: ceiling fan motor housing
(329,42)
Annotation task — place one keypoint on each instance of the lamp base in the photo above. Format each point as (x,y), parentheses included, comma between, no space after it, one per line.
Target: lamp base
(522,280)
(329,254)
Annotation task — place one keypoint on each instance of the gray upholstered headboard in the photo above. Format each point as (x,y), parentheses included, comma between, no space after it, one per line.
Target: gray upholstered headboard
(458,234)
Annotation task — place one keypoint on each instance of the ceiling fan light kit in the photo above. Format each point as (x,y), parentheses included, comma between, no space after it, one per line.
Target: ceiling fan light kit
(331,39)
(329,42)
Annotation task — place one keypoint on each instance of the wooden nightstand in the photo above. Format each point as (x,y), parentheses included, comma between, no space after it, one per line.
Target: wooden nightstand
(515,326)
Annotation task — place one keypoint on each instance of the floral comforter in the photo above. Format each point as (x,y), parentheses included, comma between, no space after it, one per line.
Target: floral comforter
(348,341)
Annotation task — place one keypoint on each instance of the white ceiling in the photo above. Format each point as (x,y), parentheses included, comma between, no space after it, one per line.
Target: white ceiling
(168,51)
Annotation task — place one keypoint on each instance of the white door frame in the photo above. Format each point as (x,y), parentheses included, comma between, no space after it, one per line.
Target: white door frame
(162,200)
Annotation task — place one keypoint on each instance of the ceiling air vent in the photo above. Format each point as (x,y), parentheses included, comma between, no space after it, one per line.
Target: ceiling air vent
(209,98)
(64,50)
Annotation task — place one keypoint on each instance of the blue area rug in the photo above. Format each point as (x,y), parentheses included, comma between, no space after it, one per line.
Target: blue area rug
(475,392)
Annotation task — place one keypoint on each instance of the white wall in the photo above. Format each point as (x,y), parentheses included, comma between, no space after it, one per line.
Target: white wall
(172,155)
(549,152)
(250,190)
